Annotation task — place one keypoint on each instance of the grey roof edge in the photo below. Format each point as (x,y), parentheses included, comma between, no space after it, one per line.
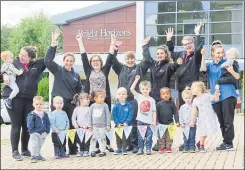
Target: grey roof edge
(67,17)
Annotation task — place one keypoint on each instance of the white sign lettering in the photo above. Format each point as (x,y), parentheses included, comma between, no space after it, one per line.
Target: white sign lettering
(104,34)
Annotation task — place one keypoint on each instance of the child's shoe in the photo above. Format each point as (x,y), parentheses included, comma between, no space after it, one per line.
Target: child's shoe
(108,147)
(168,150)
(85,154)
(63,153)
(93,154)
(156,147)
(202,150)
(117,152)
(8,103)
(40,158)
(185,150)
(135,150)
(161,150)
(33,159)
(79,154)
(102,154)
(148,152)
(124,152)
(192,150)
(140,152)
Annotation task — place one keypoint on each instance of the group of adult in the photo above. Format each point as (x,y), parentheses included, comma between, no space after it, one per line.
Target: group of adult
(186,66)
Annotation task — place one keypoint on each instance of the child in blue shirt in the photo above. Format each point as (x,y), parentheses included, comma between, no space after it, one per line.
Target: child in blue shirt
(122,116)
(59,122)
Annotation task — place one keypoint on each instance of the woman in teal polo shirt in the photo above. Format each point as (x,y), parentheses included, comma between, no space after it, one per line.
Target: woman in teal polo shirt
(225,107)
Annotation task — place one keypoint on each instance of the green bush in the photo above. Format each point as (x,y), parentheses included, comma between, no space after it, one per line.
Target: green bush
(43,88)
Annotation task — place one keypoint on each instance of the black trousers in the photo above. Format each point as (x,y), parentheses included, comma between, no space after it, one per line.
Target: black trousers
(225,110)
(68,108)
(83,146)
(132,140)
(56,141)
(121,143)
(20,109)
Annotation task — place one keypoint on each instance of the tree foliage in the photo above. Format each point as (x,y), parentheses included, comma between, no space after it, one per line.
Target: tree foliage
(35,31)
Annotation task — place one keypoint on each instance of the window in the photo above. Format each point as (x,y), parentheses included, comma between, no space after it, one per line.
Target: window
(216,5)
(155,30)
(193,6)
(191,17)
(222,20)
(225,16)
(160,18)
(158,7)
(227,39)
(231,27)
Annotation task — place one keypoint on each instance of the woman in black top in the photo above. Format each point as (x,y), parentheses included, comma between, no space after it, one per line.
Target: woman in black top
(161,69)
(126,76)
(97,74)
(67,82)
(22,103)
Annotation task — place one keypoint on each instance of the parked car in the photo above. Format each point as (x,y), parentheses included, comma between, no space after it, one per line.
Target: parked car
(5,119)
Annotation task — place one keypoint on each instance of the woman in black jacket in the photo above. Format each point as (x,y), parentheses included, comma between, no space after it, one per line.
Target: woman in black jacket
(67,82)
(97,74)
(22,103)
(161,69)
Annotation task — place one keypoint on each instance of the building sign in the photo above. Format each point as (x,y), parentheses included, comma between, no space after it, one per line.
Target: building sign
(105,34)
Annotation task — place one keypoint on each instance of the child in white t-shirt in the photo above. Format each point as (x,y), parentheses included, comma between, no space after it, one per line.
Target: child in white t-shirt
(146,113)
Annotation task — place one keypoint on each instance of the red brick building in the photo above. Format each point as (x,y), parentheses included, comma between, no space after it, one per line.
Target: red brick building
(96,28)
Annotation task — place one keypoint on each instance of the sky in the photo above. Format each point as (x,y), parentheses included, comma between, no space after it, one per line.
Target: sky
(13,11)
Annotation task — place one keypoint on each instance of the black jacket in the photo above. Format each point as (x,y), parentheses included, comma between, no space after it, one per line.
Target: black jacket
(166,110)
(27,84)
(66,83)
(126,75)
(105,69)
(161,73)
(189,72)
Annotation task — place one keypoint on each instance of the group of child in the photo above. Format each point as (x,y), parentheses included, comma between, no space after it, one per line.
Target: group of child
(96,118)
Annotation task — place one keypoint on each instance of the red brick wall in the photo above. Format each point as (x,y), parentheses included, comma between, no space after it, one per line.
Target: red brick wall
(123,19)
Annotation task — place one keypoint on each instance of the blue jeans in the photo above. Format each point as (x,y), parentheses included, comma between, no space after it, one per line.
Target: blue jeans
(148,137)
(190,143)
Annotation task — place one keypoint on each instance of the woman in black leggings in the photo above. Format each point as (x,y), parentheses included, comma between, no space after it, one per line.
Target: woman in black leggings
(22,103)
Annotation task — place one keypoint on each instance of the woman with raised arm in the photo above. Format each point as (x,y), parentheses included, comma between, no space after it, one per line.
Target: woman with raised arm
(161,69)
(97,74)
(67,82)
(22,103)
(189,71)
(126,75)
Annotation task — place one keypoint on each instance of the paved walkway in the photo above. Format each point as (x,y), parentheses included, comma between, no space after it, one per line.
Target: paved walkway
(177,160)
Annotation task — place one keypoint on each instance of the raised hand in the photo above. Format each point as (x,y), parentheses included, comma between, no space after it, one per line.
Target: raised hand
(118,43)
(79,38)
(198,28)
(169,33)
(146,40)
(137,77)
(203,52)
(55,35)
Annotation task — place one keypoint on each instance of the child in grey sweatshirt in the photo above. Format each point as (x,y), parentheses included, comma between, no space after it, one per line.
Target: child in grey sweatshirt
(99,121)
(80,118)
